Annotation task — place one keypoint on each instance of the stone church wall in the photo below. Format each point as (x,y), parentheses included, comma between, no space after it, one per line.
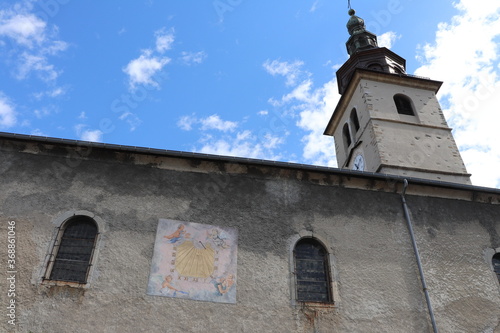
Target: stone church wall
(360,219)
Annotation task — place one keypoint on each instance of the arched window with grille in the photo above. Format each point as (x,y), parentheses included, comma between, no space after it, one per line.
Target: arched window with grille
(496,265)
(73,250)
(404,105)
(312,275)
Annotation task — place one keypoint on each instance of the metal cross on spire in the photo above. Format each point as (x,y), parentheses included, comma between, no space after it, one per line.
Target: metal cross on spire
(349,4)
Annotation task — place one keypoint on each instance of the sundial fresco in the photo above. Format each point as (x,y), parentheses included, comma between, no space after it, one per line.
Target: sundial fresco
(194,261)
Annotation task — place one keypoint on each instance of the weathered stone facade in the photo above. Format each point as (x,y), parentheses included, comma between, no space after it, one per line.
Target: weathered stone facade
(357,216)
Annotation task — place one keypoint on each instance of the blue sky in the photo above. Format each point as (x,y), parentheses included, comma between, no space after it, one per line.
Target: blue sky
(235,77)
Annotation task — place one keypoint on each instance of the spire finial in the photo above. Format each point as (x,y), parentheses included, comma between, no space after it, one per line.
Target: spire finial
(349,4)
(360,39)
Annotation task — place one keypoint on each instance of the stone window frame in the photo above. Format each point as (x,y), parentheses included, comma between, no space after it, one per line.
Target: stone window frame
(488,256)
(47,265)
(332,267)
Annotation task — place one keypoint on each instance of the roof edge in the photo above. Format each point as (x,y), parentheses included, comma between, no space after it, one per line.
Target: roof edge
(243,160)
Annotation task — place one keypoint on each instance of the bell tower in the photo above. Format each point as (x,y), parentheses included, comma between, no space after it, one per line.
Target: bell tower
(388,121)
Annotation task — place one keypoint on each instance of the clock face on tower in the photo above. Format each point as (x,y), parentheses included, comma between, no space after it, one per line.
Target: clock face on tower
(359,163)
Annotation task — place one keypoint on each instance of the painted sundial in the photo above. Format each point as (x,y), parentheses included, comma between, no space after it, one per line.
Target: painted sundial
(194,261)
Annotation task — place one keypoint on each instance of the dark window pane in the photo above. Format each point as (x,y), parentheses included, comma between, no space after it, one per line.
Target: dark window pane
(71,271)
(496,265)
(347,135)
(75,250)
(403,105)
(355,120)
(311,269)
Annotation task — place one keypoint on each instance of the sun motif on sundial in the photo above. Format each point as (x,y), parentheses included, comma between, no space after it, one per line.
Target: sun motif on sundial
(194,258)
(193,261)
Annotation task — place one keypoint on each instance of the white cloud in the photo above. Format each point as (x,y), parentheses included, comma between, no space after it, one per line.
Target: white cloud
(312,107)
(291,71)
(226,148)
(229,142)
(387,39)
(190,58)
(88,134)
(215,122)
(38,132)
(272,141)
(164,39)
(131,119)
(33,42)
(466,56)
(41,113)
(142,70)
(318,148)
(147,69)
(37,63)
(92,135)
(301,93)
(314,6)
(55,47)
(7,113)
(244,144)
(263,113)
(25,29)
(186,122)
(56,92)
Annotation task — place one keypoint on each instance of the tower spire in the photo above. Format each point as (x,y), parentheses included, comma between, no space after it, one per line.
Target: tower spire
(361,39)
(365,53)
(387,121)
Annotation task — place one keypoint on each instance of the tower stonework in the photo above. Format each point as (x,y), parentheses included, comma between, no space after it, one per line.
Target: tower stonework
(388,121)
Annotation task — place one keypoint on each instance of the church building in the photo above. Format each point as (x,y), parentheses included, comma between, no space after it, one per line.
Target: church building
(108,238)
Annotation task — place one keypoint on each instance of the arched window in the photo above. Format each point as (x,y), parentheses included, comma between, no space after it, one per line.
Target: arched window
(496,265)
(312,276)
(398,70)
(376,67)
(354,119)
(347,135)
(404,105)
(73,250)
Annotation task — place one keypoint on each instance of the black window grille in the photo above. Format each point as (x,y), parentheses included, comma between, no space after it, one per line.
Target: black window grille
(312,272)
(75,251)
(496,265)
(355,120)
(404,105)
